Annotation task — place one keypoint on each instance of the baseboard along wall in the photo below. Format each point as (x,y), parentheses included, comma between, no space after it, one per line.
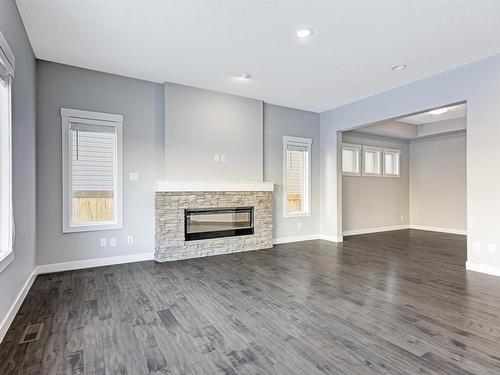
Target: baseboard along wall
(399,227)
(374,230)
(96,262)
(483,268)
(11,314)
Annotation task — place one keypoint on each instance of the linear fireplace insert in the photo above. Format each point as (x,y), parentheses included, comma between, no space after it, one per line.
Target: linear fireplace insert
(207,223)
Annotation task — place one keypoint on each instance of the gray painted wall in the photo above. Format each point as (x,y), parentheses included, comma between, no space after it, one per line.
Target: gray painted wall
(144,132)
(141,104)
(376,202)
(200,123)
(438,183)
(478,84)
(15,275)
(280,121)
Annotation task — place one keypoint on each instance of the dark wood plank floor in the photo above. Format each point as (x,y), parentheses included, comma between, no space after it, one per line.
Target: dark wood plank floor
(393,303)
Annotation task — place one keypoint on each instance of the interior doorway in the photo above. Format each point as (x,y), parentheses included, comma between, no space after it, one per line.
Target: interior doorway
(406,173)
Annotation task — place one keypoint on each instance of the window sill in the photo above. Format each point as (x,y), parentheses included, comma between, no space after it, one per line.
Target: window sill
(91,228)
(5,260)
(301,214)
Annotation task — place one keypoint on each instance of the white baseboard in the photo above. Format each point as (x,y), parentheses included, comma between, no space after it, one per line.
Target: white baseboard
(96,262)
(308,237)
(14,308)
(327,237)
(374,230)
(289,239)
(483,268)
(399,227)
(439,229)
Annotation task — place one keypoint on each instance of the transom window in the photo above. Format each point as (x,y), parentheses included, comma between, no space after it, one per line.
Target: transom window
(392,162)
(351,159)
(376,161)
(372,157)
(92,170)
(296,176)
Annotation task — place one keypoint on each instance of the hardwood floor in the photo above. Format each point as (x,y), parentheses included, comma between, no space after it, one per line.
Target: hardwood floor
(390,303)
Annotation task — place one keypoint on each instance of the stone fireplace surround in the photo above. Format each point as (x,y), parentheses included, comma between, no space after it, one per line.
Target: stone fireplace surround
(173,197)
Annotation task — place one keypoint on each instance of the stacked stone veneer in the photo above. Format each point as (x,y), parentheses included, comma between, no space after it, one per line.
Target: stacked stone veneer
(169,232)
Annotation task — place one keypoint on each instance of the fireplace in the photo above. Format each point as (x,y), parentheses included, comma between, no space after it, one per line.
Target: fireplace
(200,224)
(249,225)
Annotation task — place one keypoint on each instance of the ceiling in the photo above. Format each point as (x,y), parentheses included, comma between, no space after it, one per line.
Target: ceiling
(421,125)
(455,111)
(206,43)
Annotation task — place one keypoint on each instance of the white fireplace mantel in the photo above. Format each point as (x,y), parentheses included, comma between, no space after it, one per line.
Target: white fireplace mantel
(166,185)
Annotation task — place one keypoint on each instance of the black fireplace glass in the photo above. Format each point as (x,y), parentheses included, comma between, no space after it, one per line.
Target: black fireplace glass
(217,222)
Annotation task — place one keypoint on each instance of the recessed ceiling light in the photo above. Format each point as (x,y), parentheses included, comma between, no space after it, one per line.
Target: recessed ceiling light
(439,111)
(304,33)
(397,68)
(244,77)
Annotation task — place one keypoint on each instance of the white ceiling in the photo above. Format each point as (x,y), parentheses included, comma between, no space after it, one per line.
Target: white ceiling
(204,43)
(421,125)
(455,111)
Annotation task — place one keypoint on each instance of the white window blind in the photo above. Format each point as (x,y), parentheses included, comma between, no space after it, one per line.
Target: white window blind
(296,175)
(93,158)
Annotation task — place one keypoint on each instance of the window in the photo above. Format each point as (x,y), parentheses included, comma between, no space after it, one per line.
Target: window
(392,162)
(6,210)
(351,159)
(372,157)
(296,176)
(92,170)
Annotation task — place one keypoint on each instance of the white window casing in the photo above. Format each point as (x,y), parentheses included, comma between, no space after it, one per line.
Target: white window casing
(7,232)
(297,176)
(92,170)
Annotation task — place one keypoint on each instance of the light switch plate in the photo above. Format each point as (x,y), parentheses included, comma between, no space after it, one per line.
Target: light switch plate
(103,242)
(112,242)
(133,176)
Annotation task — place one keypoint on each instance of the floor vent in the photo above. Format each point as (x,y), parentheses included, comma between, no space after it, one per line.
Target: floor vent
(32,333)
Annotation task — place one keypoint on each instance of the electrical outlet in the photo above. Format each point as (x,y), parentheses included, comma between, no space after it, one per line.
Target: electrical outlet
(104,242)
(112,242)
(492,248)
(216,157)
(476,247)
(402,217)
(223,158)
(299,225)
(133,176)
(130,240)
